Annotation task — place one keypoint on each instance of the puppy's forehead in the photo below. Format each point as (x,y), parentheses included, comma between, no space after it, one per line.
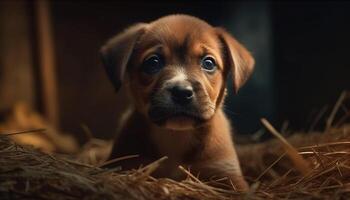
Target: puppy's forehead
(179,31)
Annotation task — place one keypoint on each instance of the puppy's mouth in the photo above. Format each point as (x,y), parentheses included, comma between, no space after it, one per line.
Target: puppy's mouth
(160,115)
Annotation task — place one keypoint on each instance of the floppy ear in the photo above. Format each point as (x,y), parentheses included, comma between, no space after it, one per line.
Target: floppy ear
(115,54)
(237,58)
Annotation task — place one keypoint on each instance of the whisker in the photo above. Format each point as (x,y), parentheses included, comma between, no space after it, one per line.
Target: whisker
(229,111)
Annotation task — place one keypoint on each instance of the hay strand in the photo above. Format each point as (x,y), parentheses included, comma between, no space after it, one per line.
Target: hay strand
(299,162)
(39,130)
(117,160)
(335,110)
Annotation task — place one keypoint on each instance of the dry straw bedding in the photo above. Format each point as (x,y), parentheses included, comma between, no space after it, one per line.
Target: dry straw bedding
(26,173)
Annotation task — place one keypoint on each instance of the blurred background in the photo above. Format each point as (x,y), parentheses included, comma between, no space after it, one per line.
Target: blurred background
(50,69)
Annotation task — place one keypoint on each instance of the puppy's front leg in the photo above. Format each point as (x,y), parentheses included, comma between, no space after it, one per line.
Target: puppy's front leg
(218,157)
(223,168)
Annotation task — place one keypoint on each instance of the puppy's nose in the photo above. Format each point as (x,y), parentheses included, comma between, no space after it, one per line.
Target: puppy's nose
(181,94)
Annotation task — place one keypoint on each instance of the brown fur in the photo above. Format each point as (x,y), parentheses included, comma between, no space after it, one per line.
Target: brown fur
(202,143)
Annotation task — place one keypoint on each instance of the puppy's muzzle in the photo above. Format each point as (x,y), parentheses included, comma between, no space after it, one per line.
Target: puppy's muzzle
(175,99)
(181,94)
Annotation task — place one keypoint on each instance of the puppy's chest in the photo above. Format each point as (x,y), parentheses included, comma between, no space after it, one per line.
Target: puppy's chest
(174,145)
(177,147)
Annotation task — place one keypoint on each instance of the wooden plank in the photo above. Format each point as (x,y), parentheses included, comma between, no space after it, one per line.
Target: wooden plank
(16,70)
(46,49)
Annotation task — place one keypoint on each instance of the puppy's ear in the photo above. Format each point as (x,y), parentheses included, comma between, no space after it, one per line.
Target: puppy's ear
(237,58)
(115,54)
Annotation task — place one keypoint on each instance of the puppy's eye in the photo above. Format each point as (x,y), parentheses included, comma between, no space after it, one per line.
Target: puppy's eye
(152,64)
(208,64)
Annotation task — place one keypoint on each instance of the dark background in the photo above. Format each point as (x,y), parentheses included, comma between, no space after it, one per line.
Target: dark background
(301,52)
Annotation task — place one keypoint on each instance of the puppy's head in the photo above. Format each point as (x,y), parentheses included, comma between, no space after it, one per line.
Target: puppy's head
(175,68)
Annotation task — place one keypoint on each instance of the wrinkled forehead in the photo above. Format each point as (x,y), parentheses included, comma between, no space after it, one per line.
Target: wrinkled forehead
(180,34)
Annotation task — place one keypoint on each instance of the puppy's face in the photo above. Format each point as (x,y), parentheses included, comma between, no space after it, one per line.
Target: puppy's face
(177,73)
(176,68)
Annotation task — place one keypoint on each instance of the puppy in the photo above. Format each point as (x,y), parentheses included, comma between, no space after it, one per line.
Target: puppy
(175,70)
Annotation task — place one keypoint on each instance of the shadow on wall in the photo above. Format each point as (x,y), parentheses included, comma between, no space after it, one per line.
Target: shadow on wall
(250,23)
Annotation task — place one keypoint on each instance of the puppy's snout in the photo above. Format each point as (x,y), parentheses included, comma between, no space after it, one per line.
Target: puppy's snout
(181,94)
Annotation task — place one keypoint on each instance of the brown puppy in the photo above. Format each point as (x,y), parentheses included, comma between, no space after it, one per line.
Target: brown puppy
(175,70)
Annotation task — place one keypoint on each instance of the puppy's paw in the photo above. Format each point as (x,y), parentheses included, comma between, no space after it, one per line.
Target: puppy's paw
(239,183)
(223,174)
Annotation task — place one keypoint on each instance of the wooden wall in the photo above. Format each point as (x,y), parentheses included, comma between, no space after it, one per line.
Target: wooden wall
(17,81)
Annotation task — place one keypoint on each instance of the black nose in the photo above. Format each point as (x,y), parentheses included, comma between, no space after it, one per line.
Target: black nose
(181,95)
